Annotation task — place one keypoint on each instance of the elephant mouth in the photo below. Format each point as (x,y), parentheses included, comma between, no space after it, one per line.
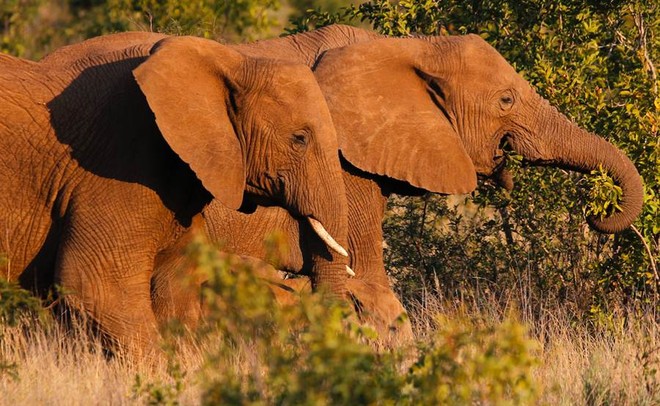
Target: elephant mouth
(500,162)
(501,152)
(256,189)
(270,190)
(499,174)
(261,197)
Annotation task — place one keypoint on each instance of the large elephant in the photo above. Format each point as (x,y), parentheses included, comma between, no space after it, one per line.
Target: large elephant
(112,147)
(436,112)
(412,115)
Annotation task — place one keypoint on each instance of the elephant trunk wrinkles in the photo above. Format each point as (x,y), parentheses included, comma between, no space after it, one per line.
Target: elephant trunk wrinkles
(328,267)
(564,144)
(327,229)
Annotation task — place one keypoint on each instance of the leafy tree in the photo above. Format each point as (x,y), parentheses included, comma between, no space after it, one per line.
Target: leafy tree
(16,17)
(32,28)
(235,19)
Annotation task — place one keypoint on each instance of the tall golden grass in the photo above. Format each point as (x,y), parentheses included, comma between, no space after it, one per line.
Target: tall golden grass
(614,363)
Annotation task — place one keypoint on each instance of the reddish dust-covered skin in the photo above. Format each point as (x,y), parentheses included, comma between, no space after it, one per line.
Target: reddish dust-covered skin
(415,115)
(114,145)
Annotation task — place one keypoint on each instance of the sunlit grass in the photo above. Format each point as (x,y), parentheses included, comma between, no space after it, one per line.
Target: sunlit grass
(314,353)
(614,361)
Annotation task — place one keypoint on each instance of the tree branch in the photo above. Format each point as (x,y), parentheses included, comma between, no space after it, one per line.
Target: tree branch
(641,30)
(649,252)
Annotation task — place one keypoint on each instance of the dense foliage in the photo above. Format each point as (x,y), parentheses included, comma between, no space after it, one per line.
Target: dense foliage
(32,28)
(595,61)
(312,353)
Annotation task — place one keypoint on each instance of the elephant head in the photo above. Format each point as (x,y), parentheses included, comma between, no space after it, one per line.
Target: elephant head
(250,124)
(436,112)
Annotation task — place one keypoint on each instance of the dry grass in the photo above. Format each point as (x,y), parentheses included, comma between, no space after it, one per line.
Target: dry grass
(617,365)
(56,368)
(613,364)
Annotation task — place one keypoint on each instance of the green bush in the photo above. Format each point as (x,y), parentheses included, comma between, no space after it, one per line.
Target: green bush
(466,362)
(15,305)
(313,352)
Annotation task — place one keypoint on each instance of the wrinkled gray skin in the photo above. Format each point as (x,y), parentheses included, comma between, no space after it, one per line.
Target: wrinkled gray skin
(412,115)
(93,189)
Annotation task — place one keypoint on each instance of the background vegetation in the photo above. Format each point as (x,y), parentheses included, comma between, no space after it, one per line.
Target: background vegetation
(589,301)
(32,28)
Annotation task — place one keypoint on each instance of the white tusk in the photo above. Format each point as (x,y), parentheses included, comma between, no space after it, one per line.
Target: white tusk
(349,271)
(326,237)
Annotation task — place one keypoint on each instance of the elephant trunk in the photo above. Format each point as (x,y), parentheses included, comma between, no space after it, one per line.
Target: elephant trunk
(562,143)
(322,202)
(328,257)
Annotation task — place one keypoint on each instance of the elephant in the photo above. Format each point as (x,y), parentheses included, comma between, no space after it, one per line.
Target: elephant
(413,115)
(113,147)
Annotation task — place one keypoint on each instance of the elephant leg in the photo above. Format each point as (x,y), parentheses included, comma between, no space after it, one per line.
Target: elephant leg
(119,309)
(376,305)
(175,284)
(379,307)
(107,281)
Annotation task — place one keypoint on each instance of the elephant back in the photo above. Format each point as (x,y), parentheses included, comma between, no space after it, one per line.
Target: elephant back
(306,47)
(103,49)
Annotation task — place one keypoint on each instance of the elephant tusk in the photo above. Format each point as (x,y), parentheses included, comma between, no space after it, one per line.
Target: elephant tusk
(349,271)
(326,237)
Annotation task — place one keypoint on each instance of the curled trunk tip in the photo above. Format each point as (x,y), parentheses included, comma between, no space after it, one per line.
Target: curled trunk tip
(562,143)
(631,205)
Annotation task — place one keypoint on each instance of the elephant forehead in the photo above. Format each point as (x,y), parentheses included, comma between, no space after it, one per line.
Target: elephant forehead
(295,92)
(275,113)
(293,77)
(485,66)
(290,101)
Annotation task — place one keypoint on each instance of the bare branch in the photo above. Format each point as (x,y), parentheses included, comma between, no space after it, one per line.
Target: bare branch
(641,30)
(649,252)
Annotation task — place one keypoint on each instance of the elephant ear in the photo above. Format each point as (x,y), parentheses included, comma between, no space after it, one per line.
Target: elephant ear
(389,120)
(188,83)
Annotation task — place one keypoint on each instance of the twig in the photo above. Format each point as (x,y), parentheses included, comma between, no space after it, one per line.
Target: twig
(421,233)
(650,254)
(641,29)
(506,225)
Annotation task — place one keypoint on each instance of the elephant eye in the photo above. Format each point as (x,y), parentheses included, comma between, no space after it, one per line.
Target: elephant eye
(506,101)
(300,139)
